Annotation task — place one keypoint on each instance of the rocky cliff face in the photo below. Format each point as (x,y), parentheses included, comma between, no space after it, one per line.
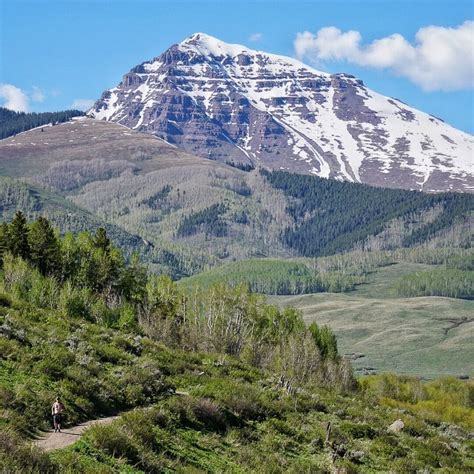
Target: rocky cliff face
(230,103)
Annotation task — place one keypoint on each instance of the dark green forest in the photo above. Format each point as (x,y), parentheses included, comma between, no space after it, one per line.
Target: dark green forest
(12,122)
(208,220)
(331,216)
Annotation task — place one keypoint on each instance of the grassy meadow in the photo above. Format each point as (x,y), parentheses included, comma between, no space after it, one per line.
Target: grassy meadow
(385,332)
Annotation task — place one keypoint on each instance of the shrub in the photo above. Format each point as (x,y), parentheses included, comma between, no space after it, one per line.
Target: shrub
(17,455)
(54,361)
(113,441)
(105,316)
(75,302)
(16,277)
(43,291)
(5,300)
(209,414)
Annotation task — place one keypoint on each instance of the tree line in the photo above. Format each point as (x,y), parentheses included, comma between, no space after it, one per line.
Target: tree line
(274,277)
(448,282)
(12,122)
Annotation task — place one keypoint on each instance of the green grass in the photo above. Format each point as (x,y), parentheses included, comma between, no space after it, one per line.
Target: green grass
(381,282)
(402,335)
(214,430)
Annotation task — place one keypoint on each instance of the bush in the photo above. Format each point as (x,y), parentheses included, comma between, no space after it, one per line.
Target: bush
(75,302)
(113,441)
(447,399)
(17,455)
(5,300)
(209,414)
(54,361)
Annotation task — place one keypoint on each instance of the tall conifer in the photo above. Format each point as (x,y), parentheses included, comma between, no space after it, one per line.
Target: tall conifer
(18,237)
(44,247)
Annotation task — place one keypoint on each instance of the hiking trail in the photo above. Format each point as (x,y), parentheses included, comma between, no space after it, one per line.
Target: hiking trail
(49,440)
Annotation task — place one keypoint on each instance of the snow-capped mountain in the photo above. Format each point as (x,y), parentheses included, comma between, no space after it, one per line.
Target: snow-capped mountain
(231,103)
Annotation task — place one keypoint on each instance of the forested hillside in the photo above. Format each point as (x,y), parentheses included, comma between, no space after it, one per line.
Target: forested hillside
(276,277)
(196,213)
(331,216)
(63,214)
(220,380)
(450,273)
(12,122)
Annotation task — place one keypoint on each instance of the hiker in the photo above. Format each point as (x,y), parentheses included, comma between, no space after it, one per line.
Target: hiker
(56,411)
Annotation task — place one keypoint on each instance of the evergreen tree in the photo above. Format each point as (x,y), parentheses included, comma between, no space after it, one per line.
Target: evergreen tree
(4,240)
(101,241)
(44,247)
(325,224)
(18,237)
(106,262)
(133,281)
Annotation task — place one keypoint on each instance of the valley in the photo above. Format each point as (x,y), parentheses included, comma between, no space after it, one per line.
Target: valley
(150,189)
(186,216)
(382,332)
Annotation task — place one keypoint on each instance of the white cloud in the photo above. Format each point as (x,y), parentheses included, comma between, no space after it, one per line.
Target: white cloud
(82,104)
(37,95)
(254,37)
(13,98)
(439,59)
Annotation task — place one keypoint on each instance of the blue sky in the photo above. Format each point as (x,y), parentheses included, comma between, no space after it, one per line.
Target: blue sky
(57,52)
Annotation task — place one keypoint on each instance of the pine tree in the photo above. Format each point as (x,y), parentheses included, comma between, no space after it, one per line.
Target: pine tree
(101,241)
(18,237)
(108,262)
(44,247)
(133,281)
(4,240)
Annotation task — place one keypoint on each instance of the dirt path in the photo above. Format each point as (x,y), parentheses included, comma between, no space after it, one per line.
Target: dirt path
(51,440)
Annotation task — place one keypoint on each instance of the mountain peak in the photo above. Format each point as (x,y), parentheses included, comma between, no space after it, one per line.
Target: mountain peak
(228,102)
(200,37)
(205,44)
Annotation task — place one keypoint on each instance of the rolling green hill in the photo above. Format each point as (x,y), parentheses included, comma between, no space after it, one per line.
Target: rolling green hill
(381,331)
(361,296)
(215,381)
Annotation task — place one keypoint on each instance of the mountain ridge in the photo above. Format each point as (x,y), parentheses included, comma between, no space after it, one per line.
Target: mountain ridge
(229,102)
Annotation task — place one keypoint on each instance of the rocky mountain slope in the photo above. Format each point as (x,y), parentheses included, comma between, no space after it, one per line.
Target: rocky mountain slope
(228,102)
